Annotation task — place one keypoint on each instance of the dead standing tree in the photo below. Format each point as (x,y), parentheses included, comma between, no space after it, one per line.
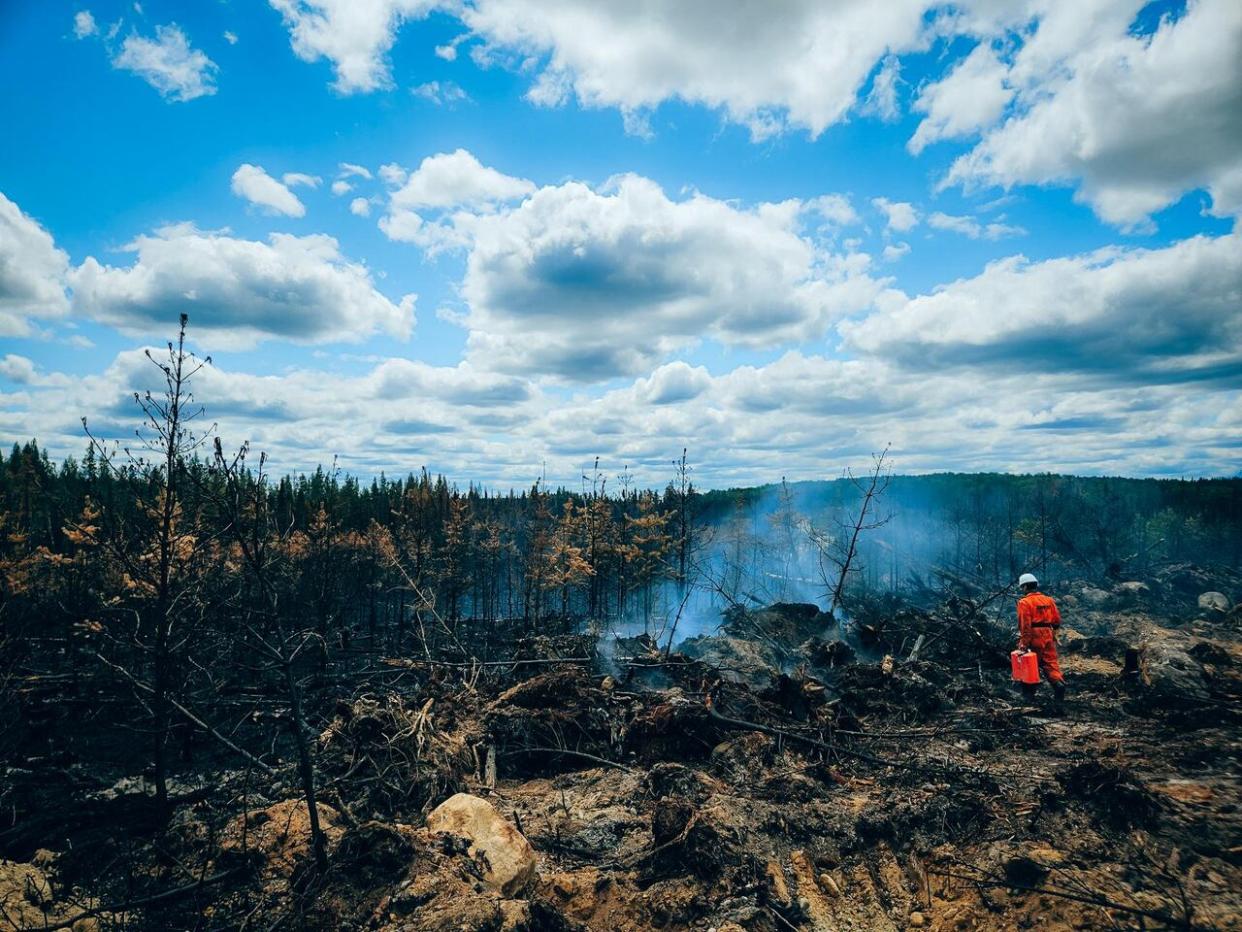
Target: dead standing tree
(156,557)
(245,506)
(841,553)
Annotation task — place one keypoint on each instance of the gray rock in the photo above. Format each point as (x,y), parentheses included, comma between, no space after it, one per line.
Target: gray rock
(1172,676)
(1216,602)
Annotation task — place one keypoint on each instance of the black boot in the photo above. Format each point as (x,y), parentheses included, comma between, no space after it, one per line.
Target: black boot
(1058,693)
(1029,690)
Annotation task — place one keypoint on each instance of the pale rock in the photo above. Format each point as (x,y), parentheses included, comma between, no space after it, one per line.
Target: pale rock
(510,858)
(1214,602)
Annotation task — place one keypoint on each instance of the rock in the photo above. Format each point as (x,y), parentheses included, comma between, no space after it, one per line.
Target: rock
(1094,596)
(1172,676)
(510,858)
(1131,593)
(1214,602)
(516,915)
(830,885)
(917,921)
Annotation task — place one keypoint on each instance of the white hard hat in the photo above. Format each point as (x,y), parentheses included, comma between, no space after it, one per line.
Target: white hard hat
(1028,579)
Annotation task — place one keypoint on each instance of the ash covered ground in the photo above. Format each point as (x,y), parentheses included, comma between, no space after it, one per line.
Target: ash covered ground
(785,770)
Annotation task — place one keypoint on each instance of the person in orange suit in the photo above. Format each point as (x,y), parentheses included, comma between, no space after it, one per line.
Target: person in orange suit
(1038,620)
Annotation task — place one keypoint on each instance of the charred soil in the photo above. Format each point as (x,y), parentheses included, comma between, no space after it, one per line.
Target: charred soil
(789,772)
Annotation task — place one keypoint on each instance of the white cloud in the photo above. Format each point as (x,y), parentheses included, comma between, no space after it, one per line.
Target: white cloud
(1132,121)
(895,251)
(835,209)
(340,187)
(17,369)
(1135,315)
(255,185)
(32,273)
(393,174)
(168,64)
(84,24)
(360,207)
(350,170)
(448,51)
(973,95)
(898,215)
(800,69)
(590,284)
(238,291)
(882,99)
(969,226)
(293,179)
(438,204)
(355,36)
(441,93)
(230,37)
(457,179)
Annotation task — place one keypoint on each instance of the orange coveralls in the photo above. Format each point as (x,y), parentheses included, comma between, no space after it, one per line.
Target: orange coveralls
(1038,619)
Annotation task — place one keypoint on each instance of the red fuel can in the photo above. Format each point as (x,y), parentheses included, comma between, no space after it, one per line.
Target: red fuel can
(1025,666)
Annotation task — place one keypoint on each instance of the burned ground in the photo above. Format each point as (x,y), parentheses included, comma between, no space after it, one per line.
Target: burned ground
(788,771)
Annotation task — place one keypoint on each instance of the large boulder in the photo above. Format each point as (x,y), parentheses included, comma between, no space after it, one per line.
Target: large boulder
(1131,593)
(510,858)
(1214,602)
(1172,676)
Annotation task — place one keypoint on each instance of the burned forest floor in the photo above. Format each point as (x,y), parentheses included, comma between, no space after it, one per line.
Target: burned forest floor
(783,771)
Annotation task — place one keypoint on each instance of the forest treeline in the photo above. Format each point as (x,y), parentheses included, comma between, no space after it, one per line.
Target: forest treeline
(352,552)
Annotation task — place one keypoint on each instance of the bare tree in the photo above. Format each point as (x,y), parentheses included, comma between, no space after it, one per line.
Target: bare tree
(841,552)
(251,525)
(155,559)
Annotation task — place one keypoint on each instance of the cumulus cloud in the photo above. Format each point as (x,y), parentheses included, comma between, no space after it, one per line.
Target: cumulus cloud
(590,284)
(801,69)
(457,179)
(255,185)
(360,207)
(393,174)
(340,187)
(84,24)
(835,209)
(895,251)
(898,215)
(437,205)
(969,226)
(32,273)
(973,95)
(355,37)
(1059,93)
(1133,121)
(239,292)
(168,64)
(17,369)
(1132,315)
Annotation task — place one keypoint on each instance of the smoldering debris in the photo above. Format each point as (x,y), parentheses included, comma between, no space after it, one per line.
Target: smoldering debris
(789,770)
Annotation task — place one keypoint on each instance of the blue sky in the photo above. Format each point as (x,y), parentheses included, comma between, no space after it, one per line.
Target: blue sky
(486,235)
